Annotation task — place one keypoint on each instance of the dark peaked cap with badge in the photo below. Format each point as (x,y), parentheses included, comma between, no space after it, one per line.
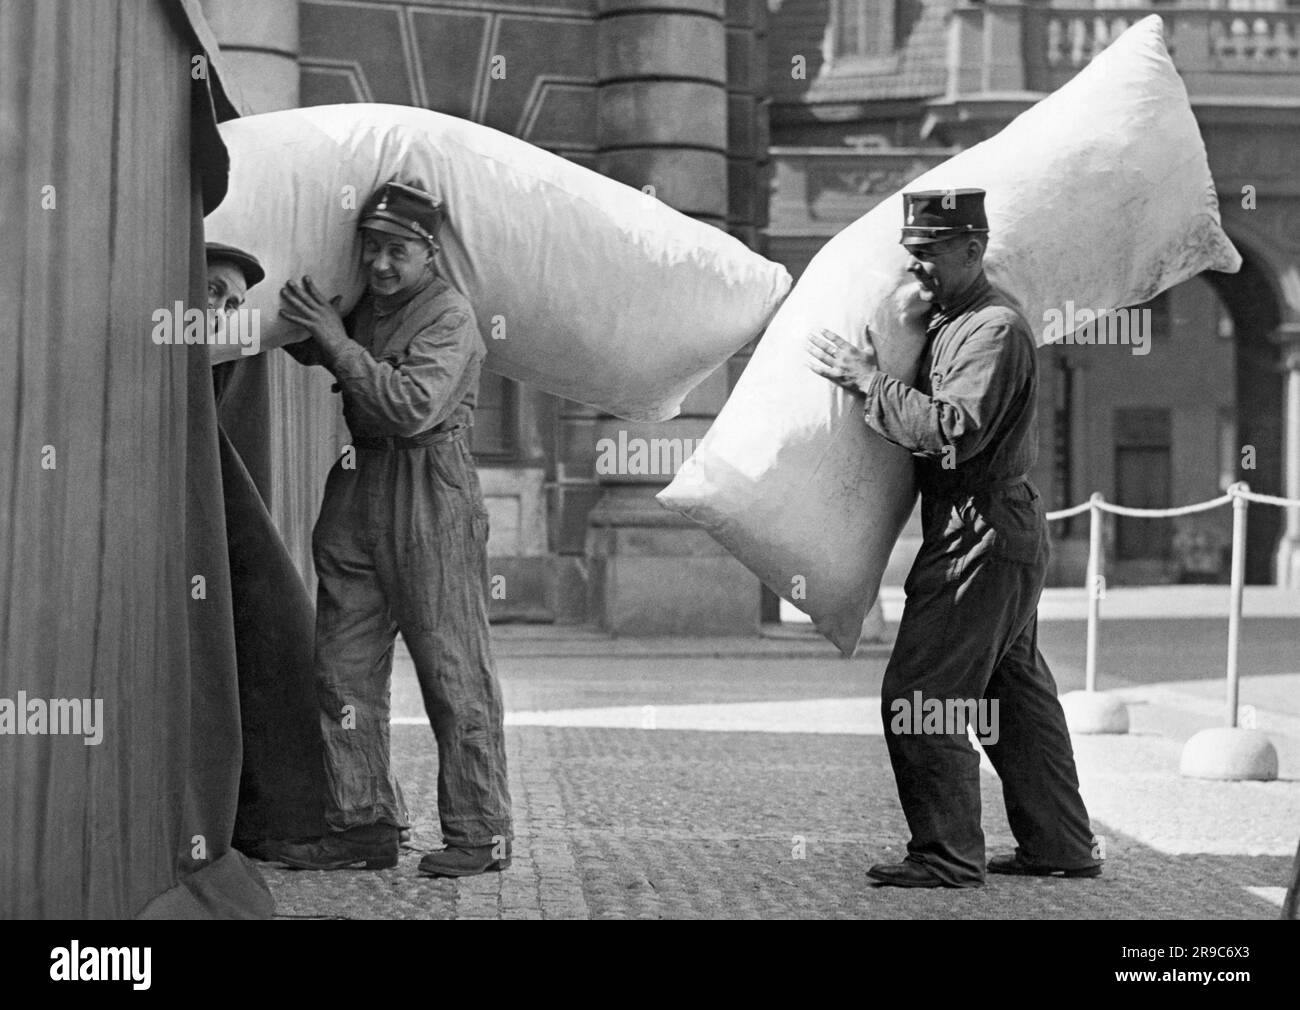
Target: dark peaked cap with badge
(936,215)
(219,252)
(403,210)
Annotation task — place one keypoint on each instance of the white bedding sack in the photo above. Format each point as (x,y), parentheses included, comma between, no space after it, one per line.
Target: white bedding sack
(1100,194)
(582,286)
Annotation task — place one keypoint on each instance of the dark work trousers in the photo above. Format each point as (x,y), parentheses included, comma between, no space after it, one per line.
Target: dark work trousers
(401,545)
(970,631)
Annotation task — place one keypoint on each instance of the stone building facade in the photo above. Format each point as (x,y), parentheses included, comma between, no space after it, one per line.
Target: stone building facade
(782,121)
(666,97)
(868,94)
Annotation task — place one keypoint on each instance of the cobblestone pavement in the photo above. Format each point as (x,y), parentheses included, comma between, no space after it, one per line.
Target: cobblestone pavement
(621,815)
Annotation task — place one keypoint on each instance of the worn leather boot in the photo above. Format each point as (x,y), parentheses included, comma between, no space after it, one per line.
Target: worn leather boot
(1014,866)
(372,846)
(908,873)
(463,861)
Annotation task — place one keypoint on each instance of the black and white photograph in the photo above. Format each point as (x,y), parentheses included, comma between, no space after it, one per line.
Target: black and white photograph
(652,460)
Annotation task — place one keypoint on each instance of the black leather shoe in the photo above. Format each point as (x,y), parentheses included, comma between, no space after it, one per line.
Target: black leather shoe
(1014,866)
(269,850)
(462,861)
(908,873)
(372,847)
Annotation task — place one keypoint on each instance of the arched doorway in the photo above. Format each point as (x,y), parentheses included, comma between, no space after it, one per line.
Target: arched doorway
(1252,302)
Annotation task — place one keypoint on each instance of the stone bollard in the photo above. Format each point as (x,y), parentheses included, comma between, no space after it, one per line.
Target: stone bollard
(1231,754)
(1088,712)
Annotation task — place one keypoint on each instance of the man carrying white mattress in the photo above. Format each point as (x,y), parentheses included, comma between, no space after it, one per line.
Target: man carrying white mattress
(968,639)
(401,544)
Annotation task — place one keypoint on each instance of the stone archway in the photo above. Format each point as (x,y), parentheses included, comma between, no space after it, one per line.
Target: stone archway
(1255,300)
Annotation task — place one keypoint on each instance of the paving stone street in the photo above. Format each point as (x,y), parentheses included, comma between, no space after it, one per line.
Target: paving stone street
(750,779)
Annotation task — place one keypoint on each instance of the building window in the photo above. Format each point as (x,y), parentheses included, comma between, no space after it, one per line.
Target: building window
(494,437)
(1142,480)
(862,31)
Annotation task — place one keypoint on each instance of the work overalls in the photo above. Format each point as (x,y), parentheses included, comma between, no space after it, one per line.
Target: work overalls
(401,545)
(969,629)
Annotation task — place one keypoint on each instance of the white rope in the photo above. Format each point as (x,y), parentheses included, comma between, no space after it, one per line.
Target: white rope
(1066,513)
(1268,499)
(1181,510)
(1239,494)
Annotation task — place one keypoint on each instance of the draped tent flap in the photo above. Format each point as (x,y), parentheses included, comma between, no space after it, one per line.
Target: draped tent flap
(110,487)
(223,93)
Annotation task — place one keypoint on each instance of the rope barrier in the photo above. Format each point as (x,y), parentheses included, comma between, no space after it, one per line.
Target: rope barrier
(1239,495)
(1268,499)
(1066,513)
(1236,491)
(1179,510)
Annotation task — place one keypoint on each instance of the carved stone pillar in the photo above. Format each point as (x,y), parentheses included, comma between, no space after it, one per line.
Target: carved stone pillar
(662,123)
(1288,549)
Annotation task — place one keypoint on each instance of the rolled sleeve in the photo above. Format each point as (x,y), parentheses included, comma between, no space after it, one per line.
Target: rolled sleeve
(423,389)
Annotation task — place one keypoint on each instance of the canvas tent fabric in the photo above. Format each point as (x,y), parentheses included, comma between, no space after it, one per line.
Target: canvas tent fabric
(103,533)
(582,286)
(1099,197)
(282,780)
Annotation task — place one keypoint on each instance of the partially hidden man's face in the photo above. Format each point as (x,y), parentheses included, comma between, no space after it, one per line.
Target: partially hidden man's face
(227,289)
(943,268)
(393,263)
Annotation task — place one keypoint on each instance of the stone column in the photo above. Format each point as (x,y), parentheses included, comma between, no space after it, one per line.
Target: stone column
(661,112)
(1288,550)
(662,123)
(749,166)
(259,41)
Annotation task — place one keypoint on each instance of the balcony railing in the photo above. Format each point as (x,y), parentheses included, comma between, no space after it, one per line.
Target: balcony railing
(1075,37)
(1236,40)
(1266,41)
(1022,47)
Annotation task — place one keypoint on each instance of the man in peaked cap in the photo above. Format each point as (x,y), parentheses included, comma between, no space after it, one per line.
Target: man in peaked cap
(231,272)
(401,544)
(969,632)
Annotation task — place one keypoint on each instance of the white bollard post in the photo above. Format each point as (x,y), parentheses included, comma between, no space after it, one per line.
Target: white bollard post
(1095,590)
(1087,711)
(1239,506)
(1229,752)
